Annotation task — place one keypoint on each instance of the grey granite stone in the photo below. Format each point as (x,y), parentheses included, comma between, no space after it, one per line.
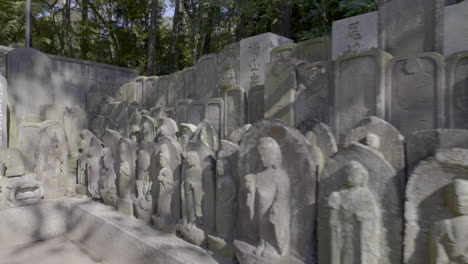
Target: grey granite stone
(183,110)
(455,38)
(415,96)
(235,103)
(3,112)
(313,50)
(206,82)
(214,114)
(456,90)
(256,102)
(354,35)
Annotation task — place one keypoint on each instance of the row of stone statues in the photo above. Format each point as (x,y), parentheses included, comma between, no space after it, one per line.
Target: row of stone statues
(275,194)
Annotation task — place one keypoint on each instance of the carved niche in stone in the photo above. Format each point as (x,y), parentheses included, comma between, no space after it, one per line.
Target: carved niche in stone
(109,177)
(25,190)
(436,209)
(381,136)
(226,199)
(143,203)
(321,138)
(93,167)
(126,180)
(360,208)
(276,200)
(51,155)
(198,181)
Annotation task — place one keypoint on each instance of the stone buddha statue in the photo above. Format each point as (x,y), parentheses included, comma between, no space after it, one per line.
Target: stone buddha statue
(449,238)
(355,220)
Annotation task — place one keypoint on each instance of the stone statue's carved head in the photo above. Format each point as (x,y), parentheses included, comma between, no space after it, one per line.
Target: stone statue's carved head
(356,174)
(270,153)
(192,158)
(143,160)
(373,141)
(457,196)
(164,157)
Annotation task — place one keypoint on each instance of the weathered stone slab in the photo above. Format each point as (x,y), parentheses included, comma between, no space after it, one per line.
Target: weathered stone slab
(282,52)
(455,38)
(206,83)
(28,137)
(75,120)
(183,110)
(189,76)
(162,91)
(126,176)
(435,209)
(254,54)
(312,50)
(214,114)
(314,90)
(26,67)
(280,91)
(423,144)
(256,100)
(359,89)
(354,35)
(13,162)
(381,136)
(95,99)
(457,90)
(290,170)
(409,27)
(360,211)
(150,91)
(111,140)
(416,92)
(235,109)
(139,87)
(3,112)
(176,89)
(228,65)
(197,112)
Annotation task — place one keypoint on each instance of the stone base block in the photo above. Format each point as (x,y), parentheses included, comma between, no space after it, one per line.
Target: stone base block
(125,206)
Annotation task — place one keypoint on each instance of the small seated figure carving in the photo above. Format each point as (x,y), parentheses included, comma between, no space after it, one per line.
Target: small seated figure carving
(355,220)
(109,188)
(449,238)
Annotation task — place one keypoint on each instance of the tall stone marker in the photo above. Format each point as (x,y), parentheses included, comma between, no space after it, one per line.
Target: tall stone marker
(354,35)
(3,112)
(207,77)
(254,55)
(415,92)
(312,50)
(408,27)
(314,91)
(457,90)
(29,80)
(280,91)
(455,28)
(359,89)
(256,100)
(235,109)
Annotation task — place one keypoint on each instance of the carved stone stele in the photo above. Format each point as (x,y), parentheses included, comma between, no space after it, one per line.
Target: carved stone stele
(226,200)
(51,155)
(109,178)
(126,179)
(360,208)
(25,190)
(276,201)
(93,167)
(198,183)
(436,209)
(143,202)
(85,139)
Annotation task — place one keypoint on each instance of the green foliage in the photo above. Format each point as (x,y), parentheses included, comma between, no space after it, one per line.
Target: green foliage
(117,31)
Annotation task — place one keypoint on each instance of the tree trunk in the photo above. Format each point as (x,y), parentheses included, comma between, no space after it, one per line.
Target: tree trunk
(284,25)
(84,47)
(240,31)
(174,35)
(152,38)
(68,35)
(209,30)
